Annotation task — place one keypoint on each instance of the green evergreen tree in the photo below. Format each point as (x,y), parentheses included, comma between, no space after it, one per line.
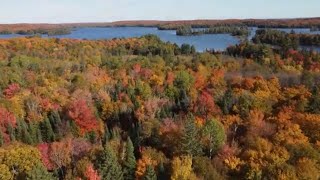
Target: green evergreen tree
(11,132)
(314,104)
(47,132)
(190,144)
(107,135)
(55,120)
(18,131)
(39,135)
(92,137)
(34,133)
(183,101)
(25,134)
(1,139)
(150,174)
(161,172)
(227,101)
(73,128)
(214,130)
(135,134)
(108,165)
(39,172)
(129,165)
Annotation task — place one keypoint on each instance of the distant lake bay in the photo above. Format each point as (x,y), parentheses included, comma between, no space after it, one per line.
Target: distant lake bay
(202,42)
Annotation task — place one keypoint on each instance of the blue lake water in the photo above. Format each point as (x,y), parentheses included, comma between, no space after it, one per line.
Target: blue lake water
(202,42)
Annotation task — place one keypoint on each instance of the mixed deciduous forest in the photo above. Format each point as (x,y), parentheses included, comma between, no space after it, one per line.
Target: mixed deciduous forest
(141,108)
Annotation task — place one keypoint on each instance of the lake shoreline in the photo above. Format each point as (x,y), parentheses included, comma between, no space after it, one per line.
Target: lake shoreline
(203,42)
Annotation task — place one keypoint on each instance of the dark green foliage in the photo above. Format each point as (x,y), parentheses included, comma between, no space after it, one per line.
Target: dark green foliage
(184,80)
(23,133)
(233,30)
(56,123)
(186,49)
(11,132)
(190,144)
(92,137)
(184,31)
(314,103)
(227,102)
(162,175)
(135,134)
(40,172)
(275,37)
(150,174)
(307,79)
(35,133)
(107,136)
(49,32)
(245,103)
(1,139)
(183,101)
(129,164)
(108,165)
(286,40)
(47,132)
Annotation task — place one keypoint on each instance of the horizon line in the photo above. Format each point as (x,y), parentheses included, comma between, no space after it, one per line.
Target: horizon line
(156,20)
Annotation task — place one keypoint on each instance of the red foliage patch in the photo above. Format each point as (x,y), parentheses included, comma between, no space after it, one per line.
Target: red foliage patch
(83,116)
(44,151)
(11,90)
(6,118)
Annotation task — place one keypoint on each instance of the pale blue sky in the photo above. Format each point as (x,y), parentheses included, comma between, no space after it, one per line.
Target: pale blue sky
(61,11)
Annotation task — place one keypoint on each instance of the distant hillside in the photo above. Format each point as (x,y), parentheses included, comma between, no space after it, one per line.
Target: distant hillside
(299,22)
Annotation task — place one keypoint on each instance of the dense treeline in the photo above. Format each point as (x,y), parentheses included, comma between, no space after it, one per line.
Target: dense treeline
(313,23)
(174,26)
(5,32)
(143,109)
(49,32)
(233,30)
(277,37)
(286,40)
(309,39)
(283,23)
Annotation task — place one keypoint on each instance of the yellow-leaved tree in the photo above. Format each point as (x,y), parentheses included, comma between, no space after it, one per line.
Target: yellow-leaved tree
(20,159)
(182,168)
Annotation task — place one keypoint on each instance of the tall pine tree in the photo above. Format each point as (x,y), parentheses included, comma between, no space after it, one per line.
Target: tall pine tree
(47,132)
(108,165)
(161,172)
(1,139)
(190,144)
(35,133)
(11,132)
(56,123)
(25,133)
(129,165)
(150,174)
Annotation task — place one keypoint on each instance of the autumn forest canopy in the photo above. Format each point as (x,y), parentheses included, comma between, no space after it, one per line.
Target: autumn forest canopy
(140,108)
